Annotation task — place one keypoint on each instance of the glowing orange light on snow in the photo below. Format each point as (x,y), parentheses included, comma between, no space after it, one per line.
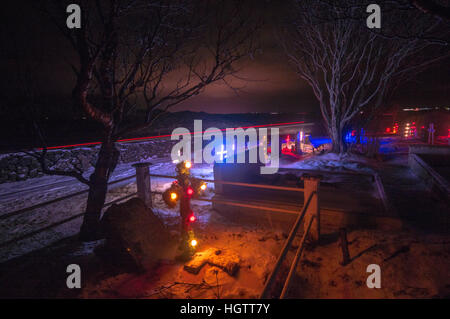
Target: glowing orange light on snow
(203,187)
(173,196)
(188,164)
(194,243)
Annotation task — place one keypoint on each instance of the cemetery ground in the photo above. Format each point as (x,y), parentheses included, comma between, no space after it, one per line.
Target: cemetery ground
(414,261)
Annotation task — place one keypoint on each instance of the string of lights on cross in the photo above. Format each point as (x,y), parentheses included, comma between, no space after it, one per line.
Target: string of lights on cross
(181,191)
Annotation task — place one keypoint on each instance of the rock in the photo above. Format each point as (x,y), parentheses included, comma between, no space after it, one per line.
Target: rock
(22,170)
(35,164)
(27,161)
(33,173)
(226,260)
(51,156)
(85,164)
(134,234)
(12,176)
(65,155)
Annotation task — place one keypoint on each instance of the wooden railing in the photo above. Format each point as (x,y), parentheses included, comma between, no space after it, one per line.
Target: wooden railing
(287,245)
(63,221)
(52,201)
(292,189)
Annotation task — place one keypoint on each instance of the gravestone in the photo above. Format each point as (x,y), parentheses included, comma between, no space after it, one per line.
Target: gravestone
(134,235)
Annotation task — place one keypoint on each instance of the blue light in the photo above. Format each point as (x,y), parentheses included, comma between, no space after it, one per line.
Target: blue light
(318,141)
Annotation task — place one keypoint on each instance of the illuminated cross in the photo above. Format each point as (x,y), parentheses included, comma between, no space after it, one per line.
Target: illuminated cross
(179,155)
(222,153)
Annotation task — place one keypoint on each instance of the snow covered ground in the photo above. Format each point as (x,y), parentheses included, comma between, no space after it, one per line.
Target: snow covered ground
(412,266)
(256,248)
(19,195)
(334,162)
(412,263)
(28,193)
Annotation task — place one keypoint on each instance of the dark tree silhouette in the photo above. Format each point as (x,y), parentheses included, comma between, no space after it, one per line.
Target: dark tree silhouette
(354,70)
(435,8)
(156,52)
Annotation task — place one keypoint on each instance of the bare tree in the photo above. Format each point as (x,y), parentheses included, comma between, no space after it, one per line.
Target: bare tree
(435,8)
(158,52)
(353,70)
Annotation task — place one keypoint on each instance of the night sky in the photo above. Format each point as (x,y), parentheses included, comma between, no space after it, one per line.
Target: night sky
(272,87)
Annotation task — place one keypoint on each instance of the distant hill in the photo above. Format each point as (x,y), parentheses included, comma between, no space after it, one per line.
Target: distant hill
(169,121)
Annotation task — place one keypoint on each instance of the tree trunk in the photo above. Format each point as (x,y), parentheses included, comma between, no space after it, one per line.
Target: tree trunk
(105,165)
(337,138)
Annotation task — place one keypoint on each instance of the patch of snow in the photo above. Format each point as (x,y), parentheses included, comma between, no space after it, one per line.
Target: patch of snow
(334,162)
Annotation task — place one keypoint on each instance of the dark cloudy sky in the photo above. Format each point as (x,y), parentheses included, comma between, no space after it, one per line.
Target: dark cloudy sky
(273,86)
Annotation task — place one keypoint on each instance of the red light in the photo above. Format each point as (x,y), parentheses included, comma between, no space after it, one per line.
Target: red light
(388,129)
(192,218)
(168,135)
(190,191)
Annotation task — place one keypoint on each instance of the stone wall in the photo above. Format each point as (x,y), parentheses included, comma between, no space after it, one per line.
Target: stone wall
(20,166)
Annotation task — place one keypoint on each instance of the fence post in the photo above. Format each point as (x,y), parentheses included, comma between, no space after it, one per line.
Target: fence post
(143,182)
(431,131)
(298,143)
(218,176)
(311,184)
